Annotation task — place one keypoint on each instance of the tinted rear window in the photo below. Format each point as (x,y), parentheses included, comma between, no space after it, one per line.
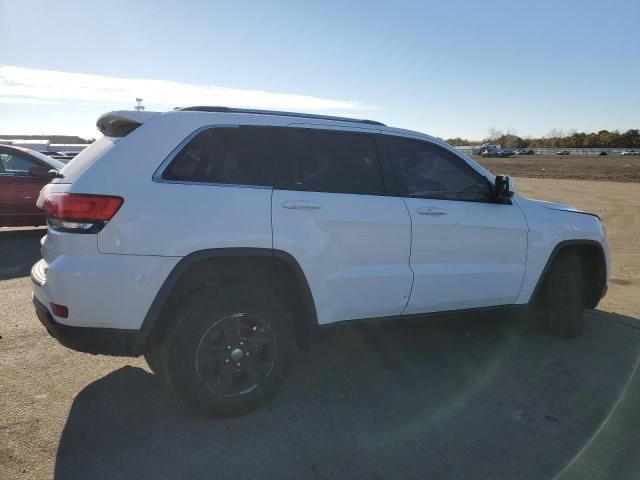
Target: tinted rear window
(229,155)
(336,162)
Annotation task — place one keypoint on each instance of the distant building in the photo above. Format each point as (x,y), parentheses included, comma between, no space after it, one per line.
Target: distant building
(45,146)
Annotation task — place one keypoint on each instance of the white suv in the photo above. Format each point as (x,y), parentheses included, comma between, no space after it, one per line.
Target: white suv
(214,240)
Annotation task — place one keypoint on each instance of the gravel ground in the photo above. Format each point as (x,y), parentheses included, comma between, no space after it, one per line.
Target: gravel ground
(460,397)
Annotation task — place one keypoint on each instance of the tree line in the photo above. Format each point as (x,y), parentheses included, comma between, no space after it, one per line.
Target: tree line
(558,139)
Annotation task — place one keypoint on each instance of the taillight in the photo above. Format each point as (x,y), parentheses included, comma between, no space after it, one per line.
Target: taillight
(79,212)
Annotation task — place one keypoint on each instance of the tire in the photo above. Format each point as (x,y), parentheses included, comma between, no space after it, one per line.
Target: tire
(562,305)
(228,350)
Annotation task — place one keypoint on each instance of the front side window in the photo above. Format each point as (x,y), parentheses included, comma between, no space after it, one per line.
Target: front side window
(14,165)
(334,162)
(425,170)
(229,155)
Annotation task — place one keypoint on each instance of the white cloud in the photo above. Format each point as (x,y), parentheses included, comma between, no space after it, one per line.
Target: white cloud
(30,85)
(28,101)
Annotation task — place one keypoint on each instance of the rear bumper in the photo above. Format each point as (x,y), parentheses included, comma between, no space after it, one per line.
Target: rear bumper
(106,341)
(100,290)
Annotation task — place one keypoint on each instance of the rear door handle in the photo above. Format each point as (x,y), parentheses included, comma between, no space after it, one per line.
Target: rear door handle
(300,205)
(431,211)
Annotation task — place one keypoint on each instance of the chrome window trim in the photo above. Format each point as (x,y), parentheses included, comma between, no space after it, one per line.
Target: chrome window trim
(157,175)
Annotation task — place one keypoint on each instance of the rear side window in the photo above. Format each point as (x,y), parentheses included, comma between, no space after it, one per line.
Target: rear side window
(229,155)
(425,170)
(335,162)
(14,165)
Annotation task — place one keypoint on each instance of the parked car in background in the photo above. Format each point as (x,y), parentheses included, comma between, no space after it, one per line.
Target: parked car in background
(603,153)
(629,152)
(23,173)
(525,151)
(498,153)
(489,146)
(563,152)
(490,153)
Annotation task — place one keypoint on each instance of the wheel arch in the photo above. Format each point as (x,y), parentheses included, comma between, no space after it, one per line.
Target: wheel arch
(594,263)
(276,269)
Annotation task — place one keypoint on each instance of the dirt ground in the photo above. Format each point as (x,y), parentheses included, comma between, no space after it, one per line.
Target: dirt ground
(437,399)
(609,168)
(618,205)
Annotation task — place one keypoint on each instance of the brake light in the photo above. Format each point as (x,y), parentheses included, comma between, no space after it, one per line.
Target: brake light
(79,212)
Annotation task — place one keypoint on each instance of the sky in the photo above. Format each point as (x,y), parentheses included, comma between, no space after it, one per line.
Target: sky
(447,68)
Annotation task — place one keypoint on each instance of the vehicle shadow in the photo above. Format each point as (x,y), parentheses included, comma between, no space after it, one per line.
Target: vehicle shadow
(461,397)
(19,250)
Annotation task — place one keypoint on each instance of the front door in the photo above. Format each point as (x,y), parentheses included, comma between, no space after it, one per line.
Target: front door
(467,251)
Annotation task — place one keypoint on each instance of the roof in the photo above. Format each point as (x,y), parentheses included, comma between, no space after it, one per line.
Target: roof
(275,112)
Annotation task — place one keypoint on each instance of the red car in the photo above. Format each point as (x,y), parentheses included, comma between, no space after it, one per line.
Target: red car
(23,173)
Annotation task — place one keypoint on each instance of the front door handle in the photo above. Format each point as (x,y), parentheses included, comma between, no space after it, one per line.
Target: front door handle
(431,211)
(300,205)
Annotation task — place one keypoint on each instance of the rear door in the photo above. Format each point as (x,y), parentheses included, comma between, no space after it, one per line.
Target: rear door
(467,252)
(331,212)
(19,190)
(213,191)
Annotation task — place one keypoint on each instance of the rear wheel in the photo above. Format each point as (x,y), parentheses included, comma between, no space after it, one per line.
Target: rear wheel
(561,303)
(229,349)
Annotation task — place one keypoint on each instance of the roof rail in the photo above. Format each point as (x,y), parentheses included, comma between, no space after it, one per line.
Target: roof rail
(275,112)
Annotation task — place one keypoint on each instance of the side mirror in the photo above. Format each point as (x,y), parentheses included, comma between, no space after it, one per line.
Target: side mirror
(39,171)
(504,187)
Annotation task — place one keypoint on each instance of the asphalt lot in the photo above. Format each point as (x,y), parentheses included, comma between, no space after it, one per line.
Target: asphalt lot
(468,397)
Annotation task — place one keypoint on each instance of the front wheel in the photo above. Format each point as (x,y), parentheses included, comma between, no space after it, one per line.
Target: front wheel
(229,349)
(561,303)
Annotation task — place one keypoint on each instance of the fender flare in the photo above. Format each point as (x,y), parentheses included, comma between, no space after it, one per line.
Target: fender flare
(159,302)
(561,245)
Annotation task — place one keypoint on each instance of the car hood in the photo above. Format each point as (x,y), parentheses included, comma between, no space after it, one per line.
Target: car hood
(561,207)
(557,206)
